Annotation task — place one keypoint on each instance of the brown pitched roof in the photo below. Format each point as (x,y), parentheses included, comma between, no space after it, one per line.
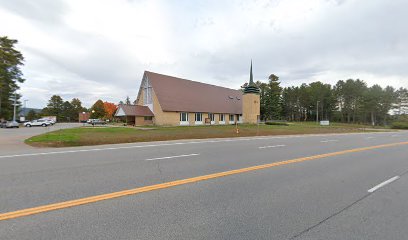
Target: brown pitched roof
(135,110)
(181,95)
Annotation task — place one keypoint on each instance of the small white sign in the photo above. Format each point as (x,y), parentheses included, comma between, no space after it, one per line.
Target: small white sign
(324,123)
(22,119)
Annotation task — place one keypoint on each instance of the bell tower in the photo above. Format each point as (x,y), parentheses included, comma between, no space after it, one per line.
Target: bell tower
(251,106)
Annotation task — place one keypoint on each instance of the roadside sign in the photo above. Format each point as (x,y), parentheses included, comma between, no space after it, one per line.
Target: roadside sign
(324,123)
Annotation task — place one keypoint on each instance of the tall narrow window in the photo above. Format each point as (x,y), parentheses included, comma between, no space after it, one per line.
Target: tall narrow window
(183,117)
(211,116)
(147,92)
(222,118)
(198,117)
(231,117)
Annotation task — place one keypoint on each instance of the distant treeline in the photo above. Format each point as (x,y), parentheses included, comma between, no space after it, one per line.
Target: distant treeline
(350,101)
(68,111)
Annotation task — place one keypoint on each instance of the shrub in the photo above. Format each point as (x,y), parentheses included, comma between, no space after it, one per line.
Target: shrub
(399,125)
(277,123)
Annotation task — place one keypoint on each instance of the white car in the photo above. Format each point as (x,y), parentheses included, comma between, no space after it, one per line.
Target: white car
(39,122)
(9,124)
(52,122)
(90,121)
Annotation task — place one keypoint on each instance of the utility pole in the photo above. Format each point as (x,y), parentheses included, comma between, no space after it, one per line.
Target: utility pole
(317,112)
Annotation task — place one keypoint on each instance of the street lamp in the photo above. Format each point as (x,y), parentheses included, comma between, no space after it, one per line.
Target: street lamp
(83,117)
(93,111)
(317,112)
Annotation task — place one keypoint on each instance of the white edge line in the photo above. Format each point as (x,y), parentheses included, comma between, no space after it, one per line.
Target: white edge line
(178,156)
(274,146)
(326,141)
(181,143)
(383,184)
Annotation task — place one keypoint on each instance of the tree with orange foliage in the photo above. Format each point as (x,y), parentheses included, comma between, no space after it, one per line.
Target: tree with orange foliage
(110,109)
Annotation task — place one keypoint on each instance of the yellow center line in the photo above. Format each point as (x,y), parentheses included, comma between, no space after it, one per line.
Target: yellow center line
(97,198)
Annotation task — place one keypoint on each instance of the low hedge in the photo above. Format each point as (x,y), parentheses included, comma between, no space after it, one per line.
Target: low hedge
(399,125)
(277,123)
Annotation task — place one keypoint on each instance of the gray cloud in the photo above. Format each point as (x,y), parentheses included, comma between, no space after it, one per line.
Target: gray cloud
(46,11)
(211,41)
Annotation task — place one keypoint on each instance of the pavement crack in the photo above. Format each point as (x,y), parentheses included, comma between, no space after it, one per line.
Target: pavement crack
(331,216)
(340,211)
(160,172)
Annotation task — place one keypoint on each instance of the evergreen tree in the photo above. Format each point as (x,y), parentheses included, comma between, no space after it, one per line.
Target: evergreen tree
(10,75)
(76,109)
(54,107)
(128,102)
(273,104)
(262,93)
(68,112)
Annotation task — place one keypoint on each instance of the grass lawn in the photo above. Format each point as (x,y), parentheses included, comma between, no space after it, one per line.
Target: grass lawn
(84,136)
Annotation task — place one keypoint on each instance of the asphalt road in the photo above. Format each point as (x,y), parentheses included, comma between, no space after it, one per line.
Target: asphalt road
(12,139)
(349,195)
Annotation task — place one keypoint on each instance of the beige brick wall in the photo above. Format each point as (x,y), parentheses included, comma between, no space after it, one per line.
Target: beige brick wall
(139,121)
(164,118)
(250,103)
(251,108)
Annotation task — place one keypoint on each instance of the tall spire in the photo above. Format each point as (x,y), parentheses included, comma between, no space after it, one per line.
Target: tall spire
(251,87)
(251,77)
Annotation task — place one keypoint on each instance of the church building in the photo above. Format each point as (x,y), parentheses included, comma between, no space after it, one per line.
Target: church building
(167,100)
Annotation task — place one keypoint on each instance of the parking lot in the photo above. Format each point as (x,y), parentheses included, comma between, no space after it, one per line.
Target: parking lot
(12,139)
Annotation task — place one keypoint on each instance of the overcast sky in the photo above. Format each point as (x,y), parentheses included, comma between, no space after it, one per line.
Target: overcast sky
(98,49)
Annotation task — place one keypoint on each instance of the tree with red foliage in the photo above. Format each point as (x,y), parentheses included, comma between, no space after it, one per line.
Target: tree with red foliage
(110,109)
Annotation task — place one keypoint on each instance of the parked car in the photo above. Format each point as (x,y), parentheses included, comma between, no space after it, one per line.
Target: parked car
(90,120)
(52,122)
(39,122)
(9,124)
(97,122)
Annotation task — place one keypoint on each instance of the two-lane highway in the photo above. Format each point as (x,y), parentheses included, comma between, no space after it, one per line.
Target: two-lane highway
(299,185)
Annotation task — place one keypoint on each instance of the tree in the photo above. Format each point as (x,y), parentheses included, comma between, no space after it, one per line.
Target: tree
(387,100)
(68,112)
(128,100)
(262,93)
(98,110)
(372,103)
(350,98)
(76,109)
(322,100)
(292,110)
(31,115)
(110,109)
(273,107)
(10,75)
(401,102)
(54,107)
